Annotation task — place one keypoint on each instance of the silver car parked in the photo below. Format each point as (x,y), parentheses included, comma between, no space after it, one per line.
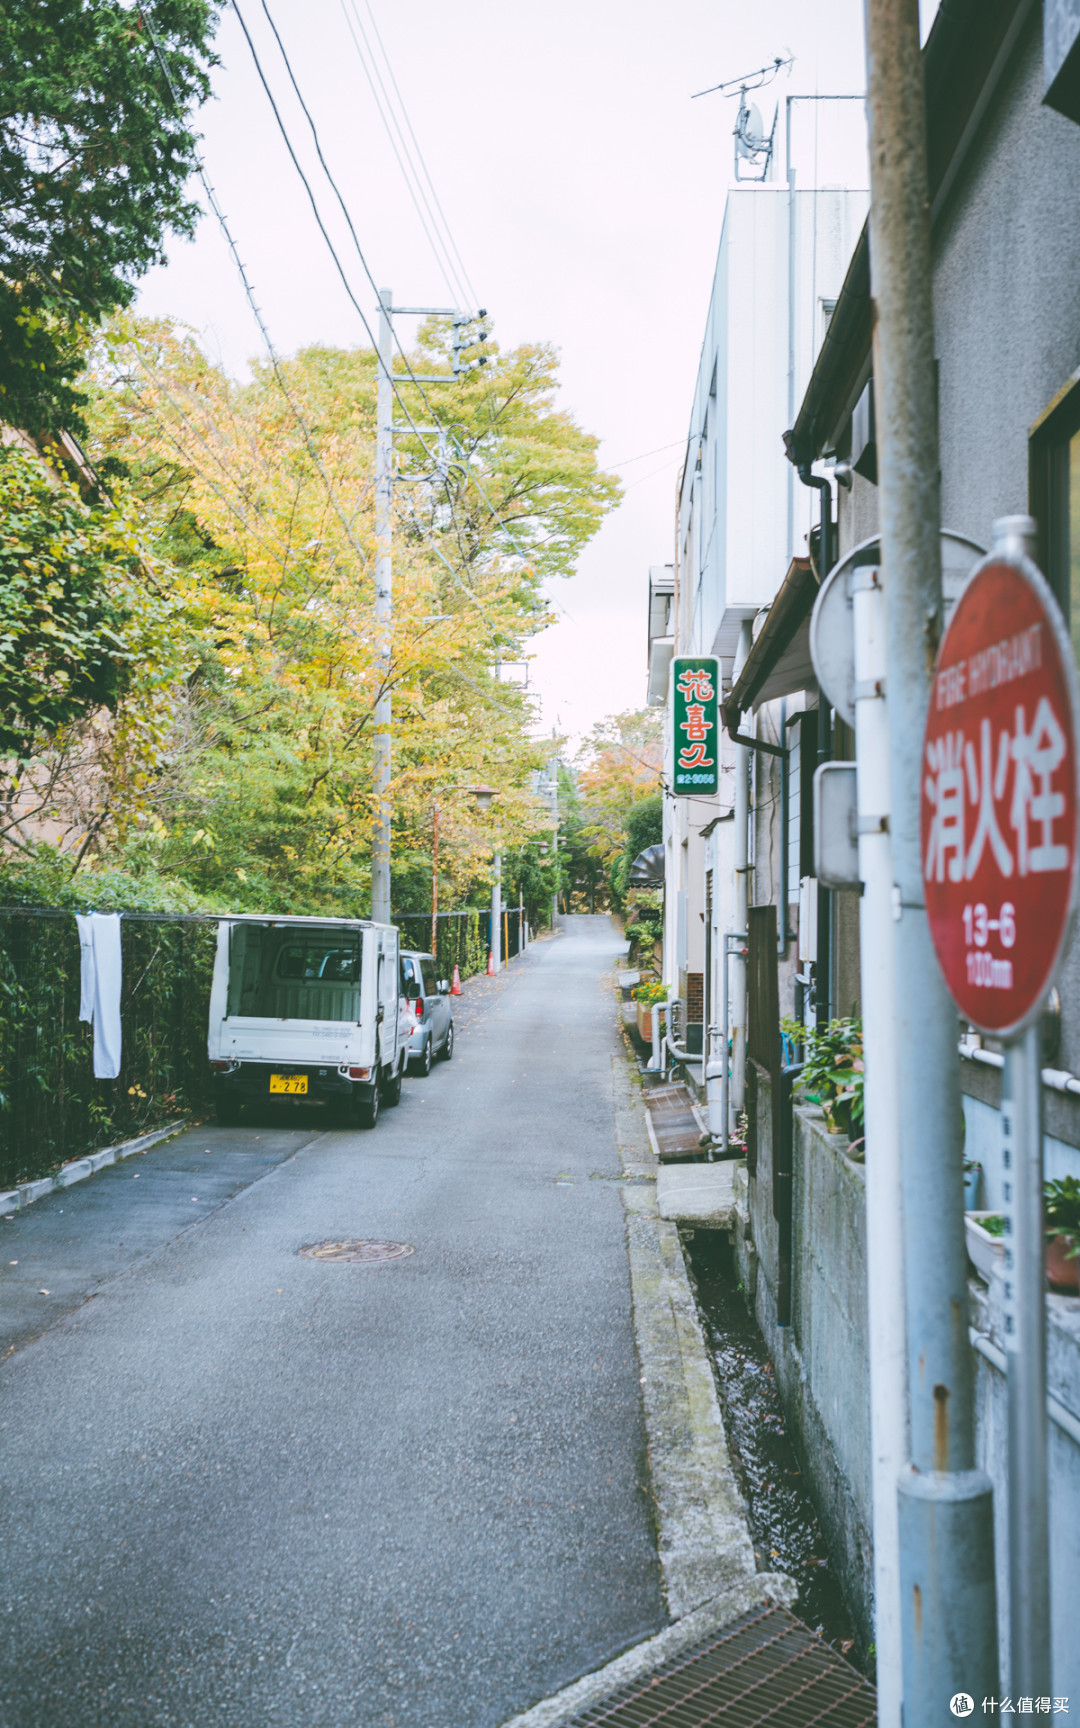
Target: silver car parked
(431,1028)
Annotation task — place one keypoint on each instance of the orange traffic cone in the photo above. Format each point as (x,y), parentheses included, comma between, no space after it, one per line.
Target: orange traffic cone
(455,983)
(491,963)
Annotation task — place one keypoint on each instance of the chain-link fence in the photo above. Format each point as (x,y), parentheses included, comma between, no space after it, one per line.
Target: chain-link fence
(463,938)
(51,1107)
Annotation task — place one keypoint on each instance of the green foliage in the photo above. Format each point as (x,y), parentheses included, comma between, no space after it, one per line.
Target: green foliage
(76,614)
(38,875)
(51,1107)
(266,795)
(644,824)
(645,926)
(833,1071)
(649,992)
(1061,1206)
(96,152)
(622,810)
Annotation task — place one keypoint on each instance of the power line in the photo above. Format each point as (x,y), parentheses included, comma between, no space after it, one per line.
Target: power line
(252,302)
(399,145)
(660,448)
(450,243)
(359,250)
(282,128)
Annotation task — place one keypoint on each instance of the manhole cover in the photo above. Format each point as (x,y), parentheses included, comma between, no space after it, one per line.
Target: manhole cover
(366,1253)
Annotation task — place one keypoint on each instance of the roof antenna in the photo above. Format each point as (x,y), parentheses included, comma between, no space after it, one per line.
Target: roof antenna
(753,145)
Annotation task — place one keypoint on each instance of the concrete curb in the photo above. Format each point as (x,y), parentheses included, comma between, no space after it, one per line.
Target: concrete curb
(706,1553)
(16,1199)
(646,1658)
(704,1542)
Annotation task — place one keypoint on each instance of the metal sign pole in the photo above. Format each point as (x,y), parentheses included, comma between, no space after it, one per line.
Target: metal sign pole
(1001,825)
(1025,1351)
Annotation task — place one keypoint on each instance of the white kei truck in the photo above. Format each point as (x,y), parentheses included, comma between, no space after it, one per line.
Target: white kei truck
(307,1013)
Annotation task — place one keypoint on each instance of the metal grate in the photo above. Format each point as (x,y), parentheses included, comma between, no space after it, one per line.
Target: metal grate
(765,1668)
(674,1121)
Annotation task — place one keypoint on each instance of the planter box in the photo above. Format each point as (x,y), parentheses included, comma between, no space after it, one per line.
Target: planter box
(644,1022)
(984,1251)
(1062,1272)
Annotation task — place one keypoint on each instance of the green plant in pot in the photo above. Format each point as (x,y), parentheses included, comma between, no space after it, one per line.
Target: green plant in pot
(833,1072)
(648,992)
(1061,1206)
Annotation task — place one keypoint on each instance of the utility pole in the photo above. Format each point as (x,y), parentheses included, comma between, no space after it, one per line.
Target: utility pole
(384,602)
(384,567)
(496,912)
(947,1594)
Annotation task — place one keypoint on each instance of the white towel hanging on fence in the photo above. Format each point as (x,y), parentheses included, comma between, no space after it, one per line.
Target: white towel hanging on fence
(100,978)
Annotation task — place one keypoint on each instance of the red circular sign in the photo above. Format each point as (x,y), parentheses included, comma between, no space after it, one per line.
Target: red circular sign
(999,796)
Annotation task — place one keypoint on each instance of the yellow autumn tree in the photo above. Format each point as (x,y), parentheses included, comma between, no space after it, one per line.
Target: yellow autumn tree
(259,496)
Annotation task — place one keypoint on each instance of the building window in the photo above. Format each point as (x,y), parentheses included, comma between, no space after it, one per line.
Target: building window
(1054,499)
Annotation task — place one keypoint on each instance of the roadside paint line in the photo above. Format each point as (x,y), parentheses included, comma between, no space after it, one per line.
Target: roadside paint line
(18,1198)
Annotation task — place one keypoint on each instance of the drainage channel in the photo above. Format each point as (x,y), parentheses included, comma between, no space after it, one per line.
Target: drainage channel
(784,1526)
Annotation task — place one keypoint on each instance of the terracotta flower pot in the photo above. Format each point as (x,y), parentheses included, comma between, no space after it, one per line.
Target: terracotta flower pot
(1062,1273)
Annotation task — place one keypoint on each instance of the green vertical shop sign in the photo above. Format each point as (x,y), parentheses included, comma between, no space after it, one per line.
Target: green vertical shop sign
(695,768)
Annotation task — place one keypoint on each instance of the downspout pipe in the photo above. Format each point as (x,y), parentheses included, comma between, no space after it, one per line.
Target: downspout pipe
(737,1093)
(800,459)
(820,484)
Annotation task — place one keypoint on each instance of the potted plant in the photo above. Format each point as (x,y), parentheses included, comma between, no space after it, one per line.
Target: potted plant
(985,1246)
(833,1073)
(643,996)
(1061,1203)
(972,1181)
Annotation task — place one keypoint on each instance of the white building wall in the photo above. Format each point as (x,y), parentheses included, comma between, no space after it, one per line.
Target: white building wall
(739,520)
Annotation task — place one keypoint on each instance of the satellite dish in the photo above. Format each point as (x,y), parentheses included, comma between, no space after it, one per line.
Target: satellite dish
(750,136)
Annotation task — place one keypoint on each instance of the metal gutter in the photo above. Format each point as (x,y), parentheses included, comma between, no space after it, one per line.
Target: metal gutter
(789,611)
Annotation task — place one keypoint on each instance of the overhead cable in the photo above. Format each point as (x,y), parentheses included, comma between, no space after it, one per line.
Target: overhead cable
(252,302)
(399,145)
(313,201)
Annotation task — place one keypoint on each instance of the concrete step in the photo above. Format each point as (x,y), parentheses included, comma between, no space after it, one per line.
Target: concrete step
(699,1194)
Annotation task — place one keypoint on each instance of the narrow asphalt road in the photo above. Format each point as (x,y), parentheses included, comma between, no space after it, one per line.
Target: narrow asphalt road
(244,1488)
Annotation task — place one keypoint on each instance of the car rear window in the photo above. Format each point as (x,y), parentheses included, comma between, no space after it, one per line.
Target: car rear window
(282,973)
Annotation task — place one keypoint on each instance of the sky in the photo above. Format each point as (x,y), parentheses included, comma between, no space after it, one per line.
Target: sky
(584,190)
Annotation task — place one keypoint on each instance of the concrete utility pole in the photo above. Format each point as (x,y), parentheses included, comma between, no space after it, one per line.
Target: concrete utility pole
(384,570)
(496,911)
(384,462)
(948,1614)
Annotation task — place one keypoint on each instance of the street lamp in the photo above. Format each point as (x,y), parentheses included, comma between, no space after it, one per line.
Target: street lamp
(482,796)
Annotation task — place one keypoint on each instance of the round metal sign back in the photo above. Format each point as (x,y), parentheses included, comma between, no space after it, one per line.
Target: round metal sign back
(999,795)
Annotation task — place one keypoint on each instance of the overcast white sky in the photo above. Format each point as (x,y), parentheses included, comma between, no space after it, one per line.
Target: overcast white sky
(584,190)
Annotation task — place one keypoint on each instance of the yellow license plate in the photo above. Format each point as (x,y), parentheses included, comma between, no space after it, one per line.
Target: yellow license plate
(288,1082)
